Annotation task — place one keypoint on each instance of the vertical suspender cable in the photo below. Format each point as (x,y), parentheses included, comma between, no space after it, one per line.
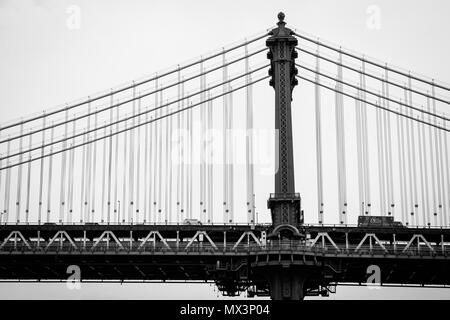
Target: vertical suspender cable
(169,161)
(438,163)
(146,177)
(150,170)
(422,177)
(202,149)
(230,157)
(116,174)
(210,161)
(425,161)
(441,175)
(138,162)
(160,173)
(410,175)
(155,158)
(88,169)
(27,209)
(341,145)
(413,155)
(131,164)
(359,154)
(7,184)
(366,161)
(447,172)
(443,170)
(63,172)
(405,208)
(249,144)
(166,168)
(225,140)
(382,157)
(83,165)
(433,184)
(400,162)
(19,178)
(320,205)
(41,178)
(94,172)
(384,124)
(183,154)
(50,171)
(71,170)
(390,177)
(124,181)
(380,160)
(108,219)
(179,147)
(338,152)
(191,161)
(104,204)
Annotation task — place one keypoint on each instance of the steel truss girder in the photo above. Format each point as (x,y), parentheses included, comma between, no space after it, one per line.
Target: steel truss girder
(107,234)
(248,234)
(370,236)
(418,237)
(154,234)
(15,234)
(323,236)
(197,235)
(61,234)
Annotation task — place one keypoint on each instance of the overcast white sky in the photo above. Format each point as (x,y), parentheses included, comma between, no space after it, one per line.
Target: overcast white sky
(44,62)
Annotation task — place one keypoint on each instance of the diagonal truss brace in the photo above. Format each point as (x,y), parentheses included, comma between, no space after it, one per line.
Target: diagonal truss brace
(153,239)
(104,234)
(418,237)
(323,236)
(371,237)
(198,235)
(15,234)
(248,234)
(61,235)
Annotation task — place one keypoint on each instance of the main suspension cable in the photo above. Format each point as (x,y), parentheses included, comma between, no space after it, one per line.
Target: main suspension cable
(377,106)
(372,76)
(135,84)
(385,67)
(135,126)
(109,124)
(375,94)
(108,107)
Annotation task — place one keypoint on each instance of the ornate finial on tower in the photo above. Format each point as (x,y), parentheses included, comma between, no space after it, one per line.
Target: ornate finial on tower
(281,22)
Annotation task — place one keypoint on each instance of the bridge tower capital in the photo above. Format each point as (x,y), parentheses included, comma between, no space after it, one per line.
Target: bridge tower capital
(285,202)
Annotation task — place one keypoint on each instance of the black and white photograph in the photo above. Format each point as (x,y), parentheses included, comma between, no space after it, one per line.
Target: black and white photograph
(222,156)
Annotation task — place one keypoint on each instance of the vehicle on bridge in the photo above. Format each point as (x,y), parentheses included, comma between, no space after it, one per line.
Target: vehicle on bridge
(193,222)
(379,221)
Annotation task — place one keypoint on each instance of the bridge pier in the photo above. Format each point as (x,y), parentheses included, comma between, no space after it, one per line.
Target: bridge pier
(286,283)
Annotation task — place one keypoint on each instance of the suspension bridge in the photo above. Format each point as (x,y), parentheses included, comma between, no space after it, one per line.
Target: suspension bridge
(149,181)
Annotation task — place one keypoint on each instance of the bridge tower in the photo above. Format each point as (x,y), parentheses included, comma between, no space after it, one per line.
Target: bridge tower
(286,281)
(284,203)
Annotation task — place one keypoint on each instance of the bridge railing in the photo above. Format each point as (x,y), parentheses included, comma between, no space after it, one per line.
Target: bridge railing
(194,247)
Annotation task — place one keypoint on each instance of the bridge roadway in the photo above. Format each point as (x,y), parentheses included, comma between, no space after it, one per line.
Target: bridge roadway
(235,257)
